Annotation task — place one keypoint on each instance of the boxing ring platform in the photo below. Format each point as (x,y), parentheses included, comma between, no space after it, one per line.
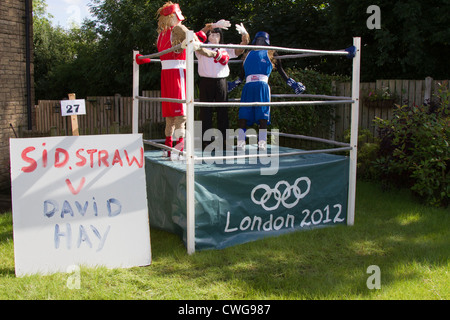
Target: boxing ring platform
(242,200)
(214,201)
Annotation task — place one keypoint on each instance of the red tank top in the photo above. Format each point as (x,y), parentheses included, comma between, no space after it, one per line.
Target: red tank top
(165,42)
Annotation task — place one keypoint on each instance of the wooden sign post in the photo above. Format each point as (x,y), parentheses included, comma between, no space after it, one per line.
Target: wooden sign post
(74,118)
(73,108)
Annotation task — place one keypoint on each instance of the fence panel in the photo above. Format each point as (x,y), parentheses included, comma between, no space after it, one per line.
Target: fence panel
(114,113)
(104,115)
(152,108)
(406,92)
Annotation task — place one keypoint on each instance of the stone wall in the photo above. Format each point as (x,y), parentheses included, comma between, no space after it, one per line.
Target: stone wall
(13,88)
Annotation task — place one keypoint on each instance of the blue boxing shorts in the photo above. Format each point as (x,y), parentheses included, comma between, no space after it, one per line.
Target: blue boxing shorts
(258,91)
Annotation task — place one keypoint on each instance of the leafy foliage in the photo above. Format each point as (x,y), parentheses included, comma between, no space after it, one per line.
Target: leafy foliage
(64,60)
(414,150)
(307,120)
(413,42)
(413,37)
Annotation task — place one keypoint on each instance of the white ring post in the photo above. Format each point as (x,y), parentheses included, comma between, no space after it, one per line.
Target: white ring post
(190,182)
(135,119)
(354,132)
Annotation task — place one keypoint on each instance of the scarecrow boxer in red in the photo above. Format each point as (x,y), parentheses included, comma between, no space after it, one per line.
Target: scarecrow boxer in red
(173,74)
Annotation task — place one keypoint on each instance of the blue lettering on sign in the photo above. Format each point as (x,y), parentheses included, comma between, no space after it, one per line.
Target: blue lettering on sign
(67,234)
(118,205)
(66,209)
(51,207)
(70,236)
(84,236)
(81,210)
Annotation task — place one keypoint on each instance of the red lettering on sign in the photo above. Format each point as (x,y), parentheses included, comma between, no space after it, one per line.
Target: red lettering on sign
(71,188)
(82,161)
(58,163)
(117,158)
(25,158)
(139,164)
(103,157)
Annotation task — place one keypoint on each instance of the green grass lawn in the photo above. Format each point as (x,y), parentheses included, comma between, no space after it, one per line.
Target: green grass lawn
(410,244)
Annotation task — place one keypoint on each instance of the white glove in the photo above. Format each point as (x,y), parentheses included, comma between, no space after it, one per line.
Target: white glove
(240,28)
(222,24)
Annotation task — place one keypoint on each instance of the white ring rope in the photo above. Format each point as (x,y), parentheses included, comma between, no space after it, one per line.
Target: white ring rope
(299,136)
(160,99)
(158,54)
(244,156)
(279,96)
(320,96)
(302,53)
(282,57)
(236,46)
(268,155)
(259,104)
(156,143)
(247,104)
(344,147)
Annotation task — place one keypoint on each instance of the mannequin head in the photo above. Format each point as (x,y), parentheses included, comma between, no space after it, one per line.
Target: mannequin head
(215,36)
(261,39)
(169,15)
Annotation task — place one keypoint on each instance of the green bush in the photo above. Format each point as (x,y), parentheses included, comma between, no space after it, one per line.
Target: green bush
(367,154)
(306,120)
(414,149)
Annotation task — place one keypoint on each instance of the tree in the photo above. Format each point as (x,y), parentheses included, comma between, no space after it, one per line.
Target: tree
(413,41)
(63,59)
(96,58)
(124,26)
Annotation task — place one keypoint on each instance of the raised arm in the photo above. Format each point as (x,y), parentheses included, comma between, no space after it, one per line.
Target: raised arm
(298,87)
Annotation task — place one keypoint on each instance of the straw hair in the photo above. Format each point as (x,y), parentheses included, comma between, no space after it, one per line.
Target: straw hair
(164,22)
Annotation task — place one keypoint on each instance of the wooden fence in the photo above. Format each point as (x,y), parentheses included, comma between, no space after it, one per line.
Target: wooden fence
(402,92)
(113,114)
(104,115)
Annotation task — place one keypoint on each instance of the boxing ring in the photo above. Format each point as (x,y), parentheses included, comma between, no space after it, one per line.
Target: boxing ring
(219,200)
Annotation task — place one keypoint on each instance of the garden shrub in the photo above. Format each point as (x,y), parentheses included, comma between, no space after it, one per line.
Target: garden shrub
(414,149)
(367,154)
(306,120)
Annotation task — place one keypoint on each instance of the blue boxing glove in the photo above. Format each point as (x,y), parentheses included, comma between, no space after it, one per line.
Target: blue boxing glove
(234,84)
(297,86)
(351,52)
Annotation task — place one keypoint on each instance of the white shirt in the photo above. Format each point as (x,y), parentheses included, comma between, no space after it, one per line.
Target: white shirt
(207,68)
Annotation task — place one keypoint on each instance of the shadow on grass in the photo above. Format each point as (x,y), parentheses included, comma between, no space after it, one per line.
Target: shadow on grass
(390,231)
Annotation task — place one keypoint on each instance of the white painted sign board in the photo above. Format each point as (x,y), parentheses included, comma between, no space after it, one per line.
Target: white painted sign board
(73,107)
(79,200)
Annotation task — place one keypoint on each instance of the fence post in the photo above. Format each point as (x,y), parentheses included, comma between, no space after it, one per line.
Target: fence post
(117,97)
(427,92)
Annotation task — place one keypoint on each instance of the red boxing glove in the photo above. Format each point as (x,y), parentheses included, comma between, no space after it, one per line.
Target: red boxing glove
(141,61)
(201,36)
(222,57)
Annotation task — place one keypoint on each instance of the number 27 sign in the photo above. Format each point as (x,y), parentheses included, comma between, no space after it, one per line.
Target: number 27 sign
(73,107)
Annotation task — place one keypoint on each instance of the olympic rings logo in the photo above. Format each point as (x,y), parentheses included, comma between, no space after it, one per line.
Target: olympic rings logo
(281,197)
